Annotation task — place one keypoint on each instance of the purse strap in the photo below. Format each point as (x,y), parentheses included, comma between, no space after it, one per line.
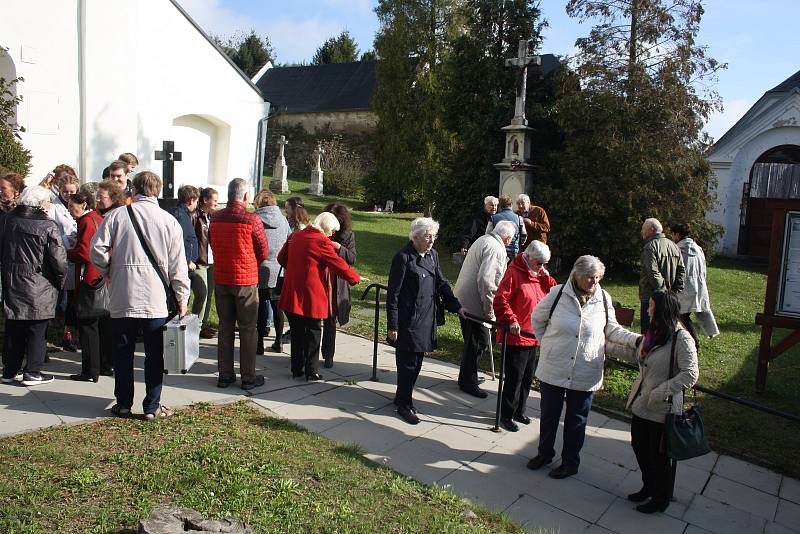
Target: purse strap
(672,360)
(167,288)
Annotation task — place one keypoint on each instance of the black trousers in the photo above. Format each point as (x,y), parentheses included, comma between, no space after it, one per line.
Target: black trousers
(96,346)
(646,439)
(277,319)
(329,337)
(24,337)
(306,334)
(519,377)
(409,364)
(476,343)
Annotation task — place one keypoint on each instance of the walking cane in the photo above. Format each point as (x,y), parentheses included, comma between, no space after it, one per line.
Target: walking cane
(500,381)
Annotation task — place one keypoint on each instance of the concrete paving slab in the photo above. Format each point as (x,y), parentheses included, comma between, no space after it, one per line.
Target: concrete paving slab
(722,518)
(421,462)
(623,518)
(692,529)
(353,399)
(775,528)
(788,514)
(601,473)
(748,474)
(790,490)
(471,483)
(378,432)
(691,478)
(705,462)
(535,514)
(743,497)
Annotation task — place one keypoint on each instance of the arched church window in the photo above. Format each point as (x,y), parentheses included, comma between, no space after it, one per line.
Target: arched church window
(776,173)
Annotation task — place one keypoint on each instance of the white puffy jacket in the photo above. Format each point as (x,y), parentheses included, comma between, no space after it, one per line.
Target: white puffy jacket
(572,341)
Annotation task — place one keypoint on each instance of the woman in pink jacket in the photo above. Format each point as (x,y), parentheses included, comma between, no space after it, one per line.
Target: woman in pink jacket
(525,283)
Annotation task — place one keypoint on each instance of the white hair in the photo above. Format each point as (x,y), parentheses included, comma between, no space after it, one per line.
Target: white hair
(33,196)
(538,251)
(505,229)
(588,266)
(422,225)
(654,224)
(524,198)
(237,188)
(327,223)
(489,199)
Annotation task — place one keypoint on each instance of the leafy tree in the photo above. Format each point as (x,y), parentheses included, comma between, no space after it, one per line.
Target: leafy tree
(341,49)
(13,156)
(249,51)
(633,146)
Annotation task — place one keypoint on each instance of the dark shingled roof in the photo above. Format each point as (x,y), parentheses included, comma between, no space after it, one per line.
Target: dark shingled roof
(788,84)
(320,88)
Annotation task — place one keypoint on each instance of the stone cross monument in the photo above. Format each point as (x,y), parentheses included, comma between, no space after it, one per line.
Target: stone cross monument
(316,173)
(516,175)
(280,172)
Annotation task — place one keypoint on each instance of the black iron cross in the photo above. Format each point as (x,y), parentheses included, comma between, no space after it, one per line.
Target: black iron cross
(169,156)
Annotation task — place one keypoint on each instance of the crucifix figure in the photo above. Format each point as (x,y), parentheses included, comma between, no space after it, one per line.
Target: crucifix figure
(169,157)
(521,62)
(317,156)
(281,143)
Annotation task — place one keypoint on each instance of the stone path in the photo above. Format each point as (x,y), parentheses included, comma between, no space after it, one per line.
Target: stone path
(452,445)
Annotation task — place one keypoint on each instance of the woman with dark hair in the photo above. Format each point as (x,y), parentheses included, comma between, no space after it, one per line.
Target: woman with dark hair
(654,394)
(344,242)
(95,333)
(694,296)
(201,217)
(110,195)
(296,213)
(11,185)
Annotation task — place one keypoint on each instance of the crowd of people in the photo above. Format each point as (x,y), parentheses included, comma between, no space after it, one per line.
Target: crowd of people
(63,244)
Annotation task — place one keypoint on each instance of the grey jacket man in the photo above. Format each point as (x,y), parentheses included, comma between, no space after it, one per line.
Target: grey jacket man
(34,264)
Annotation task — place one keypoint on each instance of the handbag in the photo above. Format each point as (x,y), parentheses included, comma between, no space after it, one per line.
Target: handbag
(684,433)
(172,300)
(93,299)
(278,283)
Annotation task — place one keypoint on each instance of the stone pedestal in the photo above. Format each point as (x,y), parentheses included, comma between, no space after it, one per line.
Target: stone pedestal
(516,173)
(280,182)
(315,188)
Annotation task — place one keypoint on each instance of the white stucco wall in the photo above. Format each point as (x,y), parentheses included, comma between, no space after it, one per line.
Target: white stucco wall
(145,65)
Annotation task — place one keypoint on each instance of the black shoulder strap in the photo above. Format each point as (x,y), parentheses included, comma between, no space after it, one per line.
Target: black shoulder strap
(167,288)
(605,304)
(558,297)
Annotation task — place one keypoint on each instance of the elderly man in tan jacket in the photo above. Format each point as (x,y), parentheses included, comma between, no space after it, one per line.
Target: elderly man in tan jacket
(481,272)
(141,295)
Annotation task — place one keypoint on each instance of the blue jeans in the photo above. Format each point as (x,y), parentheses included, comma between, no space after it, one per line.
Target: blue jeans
(125,331)
(579,403)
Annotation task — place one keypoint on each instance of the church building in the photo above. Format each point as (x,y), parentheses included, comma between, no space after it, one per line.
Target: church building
(757,160)
(103,77)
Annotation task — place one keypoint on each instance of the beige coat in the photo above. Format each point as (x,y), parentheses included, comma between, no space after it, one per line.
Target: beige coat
(480,274)
(651,390)
(136,290)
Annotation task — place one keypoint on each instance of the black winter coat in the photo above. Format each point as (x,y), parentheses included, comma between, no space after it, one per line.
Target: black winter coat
(34,264)
(341,290)
(475,228)
(414,281)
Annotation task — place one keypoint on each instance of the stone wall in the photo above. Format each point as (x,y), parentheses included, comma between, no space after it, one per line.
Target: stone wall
(347,122)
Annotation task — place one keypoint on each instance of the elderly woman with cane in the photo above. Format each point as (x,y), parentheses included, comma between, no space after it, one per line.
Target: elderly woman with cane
(416,283)
(574,323)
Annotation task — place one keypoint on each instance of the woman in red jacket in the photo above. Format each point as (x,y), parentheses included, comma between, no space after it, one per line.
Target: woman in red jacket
(525,283)
(94,333)
(306,258)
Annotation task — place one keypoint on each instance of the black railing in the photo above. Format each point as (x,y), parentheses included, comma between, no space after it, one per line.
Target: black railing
(378,288)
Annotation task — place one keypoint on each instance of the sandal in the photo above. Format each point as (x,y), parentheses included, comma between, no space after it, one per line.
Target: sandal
(120,411)
(162,412)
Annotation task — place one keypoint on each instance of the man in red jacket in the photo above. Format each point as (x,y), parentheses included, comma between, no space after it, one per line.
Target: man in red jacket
(240,246)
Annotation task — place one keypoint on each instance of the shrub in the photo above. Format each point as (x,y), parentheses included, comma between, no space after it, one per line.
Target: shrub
(13,155)
(344,172)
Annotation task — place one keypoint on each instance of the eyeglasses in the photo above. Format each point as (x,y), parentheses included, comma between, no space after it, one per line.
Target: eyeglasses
(429,237)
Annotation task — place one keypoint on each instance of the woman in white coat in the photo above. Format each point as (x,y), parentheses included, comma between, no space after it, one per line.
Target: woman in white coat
(574,323)
(694,297)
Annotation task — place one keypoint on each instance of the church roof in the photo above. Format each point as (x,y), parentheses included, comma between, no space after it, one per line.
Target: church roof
(788,84)
(320,88)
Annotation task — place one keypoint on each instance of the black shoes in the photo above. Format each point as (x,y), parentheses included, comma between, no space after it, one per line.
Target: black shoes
(538,462)
(34,379)
(328,363)
(107,372)
(563,471)
(639,496)
(475,391)
(224,381)
(313,377)
(260,347)
(258,381)
(522,418)
(509,425)
(276,347)
(652,506)
(408,415)
(83,378)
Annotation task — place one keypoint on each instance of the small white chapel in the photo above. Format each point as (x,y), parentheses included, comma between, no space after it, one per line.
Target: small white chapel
(757,160)
(103,77)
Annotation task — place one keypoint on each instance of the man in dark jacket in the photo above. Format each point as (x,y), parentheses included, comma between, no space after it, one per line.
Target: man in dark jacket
(661,266)
(415,282)
(34,266)
(477,223)
(188,196)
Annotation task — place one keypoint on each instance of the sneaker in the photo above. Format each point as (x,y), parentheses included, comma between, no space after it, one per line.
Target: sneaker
(34,379)
(258,381)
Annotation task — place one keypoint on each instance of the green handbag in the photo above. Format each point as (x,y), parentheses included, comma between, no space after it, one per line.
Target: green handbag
(684,434)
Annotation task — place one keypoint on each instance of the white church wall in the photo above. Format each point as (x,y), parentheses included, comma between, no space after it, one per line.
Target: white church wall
(43,48)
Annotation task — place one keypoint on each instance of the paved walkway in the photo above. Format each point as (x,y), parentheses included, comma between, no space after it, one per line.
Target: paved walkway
(452,445)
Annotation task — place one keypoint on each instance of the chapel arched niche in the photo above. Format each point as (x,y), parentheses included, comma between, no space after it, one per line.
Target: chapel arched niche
(204,142)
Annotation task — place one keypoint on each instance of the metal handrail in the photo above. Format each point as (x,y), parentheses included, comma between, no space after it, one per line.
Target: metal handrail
(378,288)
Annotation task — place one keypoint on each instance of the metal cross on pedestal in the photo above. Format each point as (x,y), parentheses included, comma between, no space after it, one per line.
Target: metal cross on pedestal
(521,62)
(169,156)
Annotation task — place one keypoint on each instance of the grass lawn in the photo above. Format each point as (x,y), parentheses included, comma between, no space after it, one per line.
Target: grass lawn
(221,461)
(727,363)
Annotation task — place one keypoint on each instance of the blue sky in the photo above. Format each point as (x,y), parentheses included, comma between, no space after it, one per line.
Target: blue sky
(755,37)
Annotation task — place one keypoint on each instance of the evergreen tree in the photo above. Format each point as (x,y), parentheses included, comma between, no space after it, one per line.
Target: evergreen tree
(341,49)
(369,55)
(248,51)
(633,146)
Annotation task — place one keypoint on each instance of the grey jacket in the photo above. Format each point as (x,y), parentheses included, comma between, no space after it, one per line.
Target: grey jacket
(276,228)
(34,264)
